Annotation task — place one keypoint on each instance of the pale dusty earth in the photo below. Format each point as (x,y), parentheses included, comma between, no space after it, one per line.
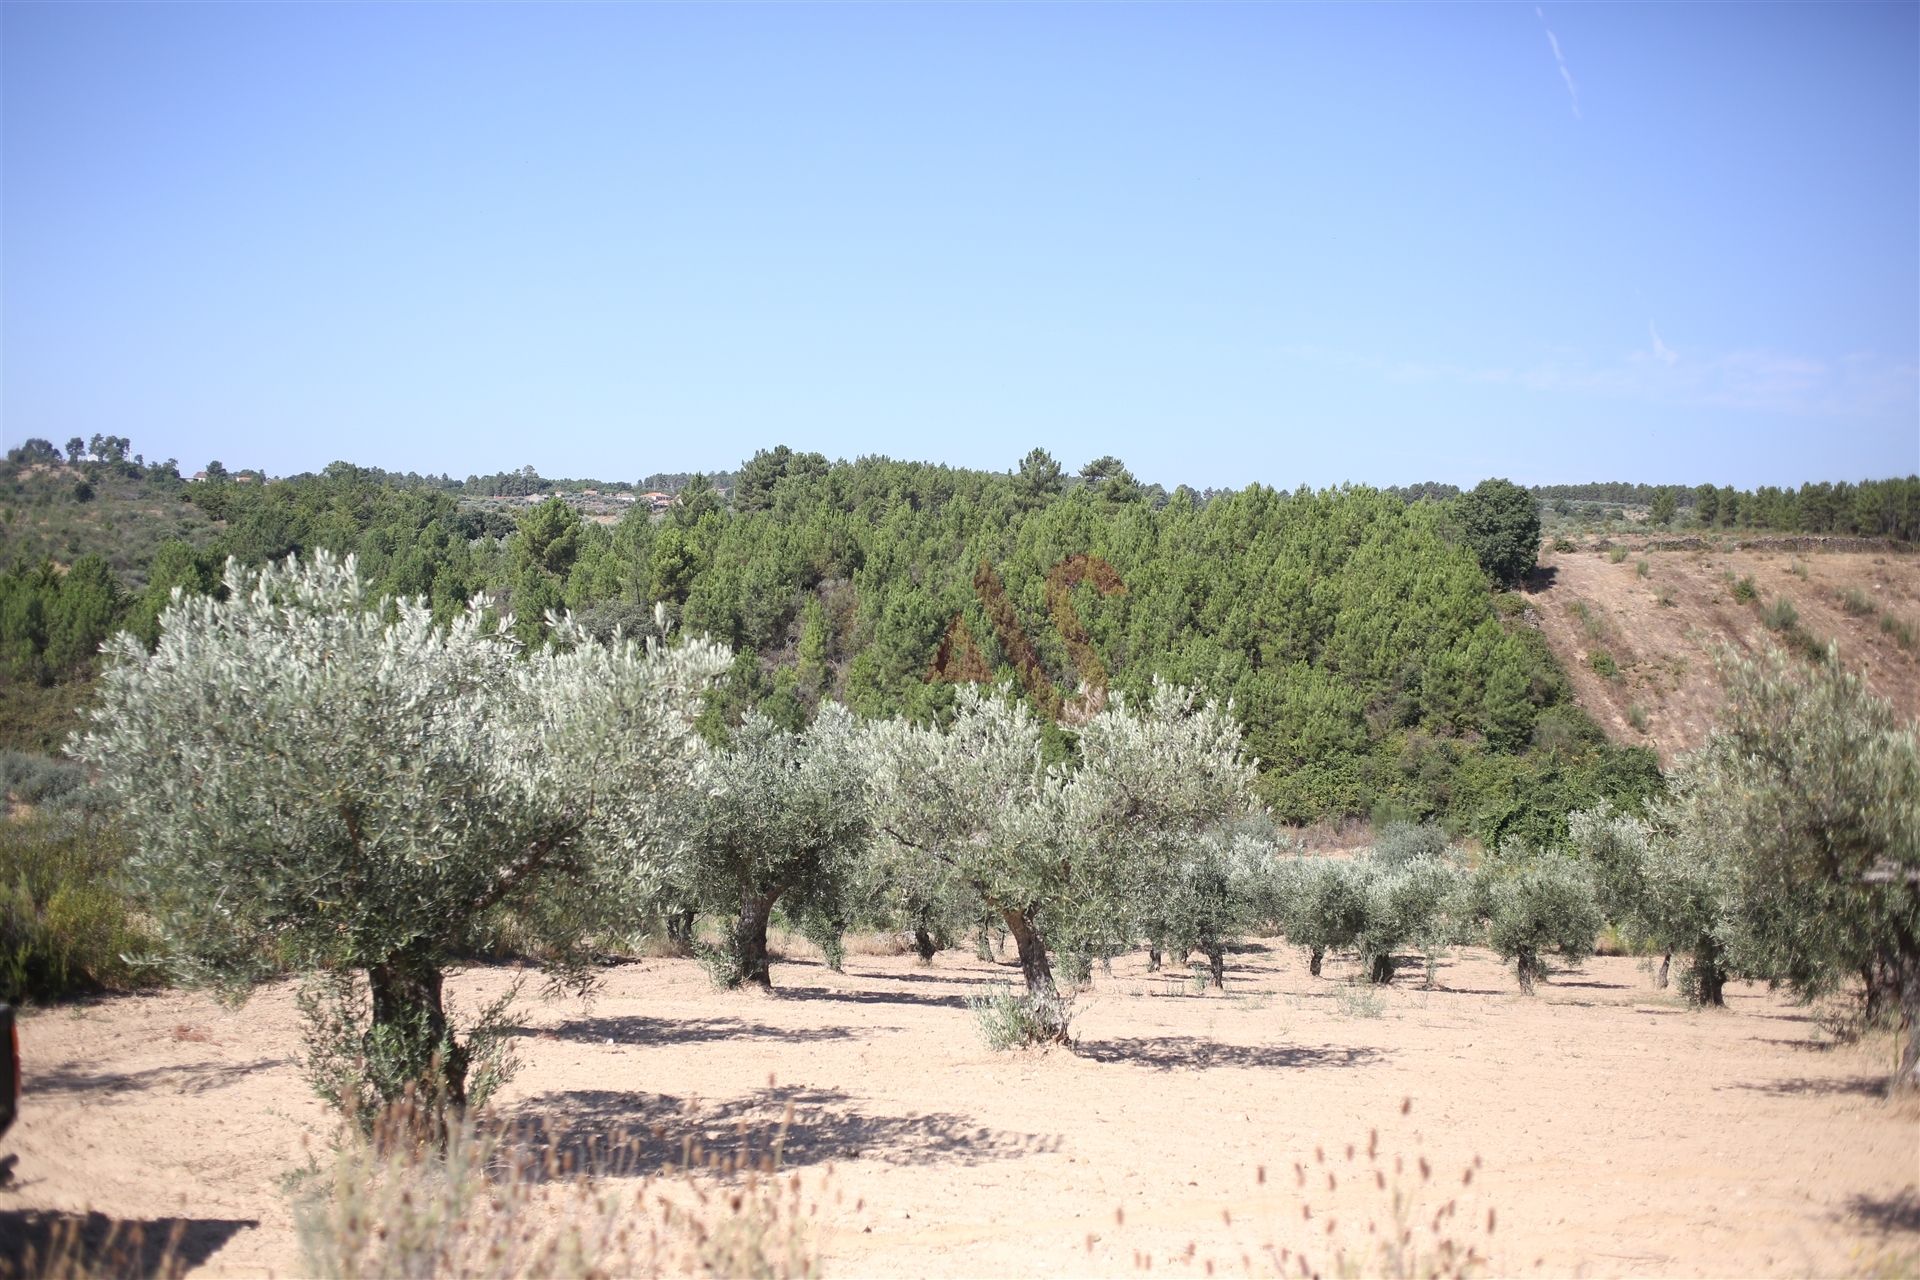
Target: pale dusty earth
(1662,630)
(1616,1131)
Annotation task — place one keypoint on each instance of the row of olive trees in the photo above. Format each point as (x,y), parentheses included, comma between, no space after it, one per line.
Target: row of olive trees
(1788,848)
(329,784)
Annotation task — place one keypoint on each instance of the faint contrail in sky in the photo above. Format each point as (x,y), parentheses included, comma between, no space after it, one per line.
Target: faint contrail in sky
(1561,60)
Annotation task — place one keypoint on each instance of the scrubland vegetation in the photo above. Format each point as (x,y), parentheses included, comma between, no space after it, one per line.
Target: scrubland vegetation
(385,736)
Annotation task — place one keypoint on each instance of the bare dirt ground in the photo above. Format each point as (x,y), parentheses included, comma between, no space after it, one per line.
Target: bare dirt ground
(1616,1132)
(1664,651)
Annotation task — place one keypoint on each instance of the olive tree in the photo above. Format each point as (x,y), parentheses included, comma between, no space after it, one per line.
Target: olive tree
(1210,892)
(1535,902)
(1374,905)
(1811,786)
(776,814)
(1665,882)
(323,781)
(1055,850)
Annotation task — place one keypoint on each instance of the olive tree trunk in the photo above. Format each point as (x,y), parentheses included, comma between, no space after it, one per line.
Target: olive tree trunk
(680,931)
(1316,956)
(1038,971)
(750,939)
(1907,1078)
(1527,965)
(410,1037)
(923,944)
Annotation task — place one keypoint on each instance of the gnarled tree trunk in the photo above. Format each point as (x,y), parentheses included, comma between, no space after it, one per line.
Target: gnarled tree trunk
(1907,1078)
(410,1017)
(1217,963)
(923,944)
(750,939)
(1316,956)
(1038,972)
(680,930)
(1527,965)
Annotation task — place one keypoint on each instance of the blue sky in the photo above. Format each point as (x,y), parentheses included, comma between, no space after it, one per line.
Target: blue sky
(1293,244)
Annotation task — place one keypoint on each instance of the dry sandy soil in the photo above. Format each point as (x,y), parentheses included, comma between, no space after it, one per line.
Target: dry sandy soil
(1616,1132)
(1584,602)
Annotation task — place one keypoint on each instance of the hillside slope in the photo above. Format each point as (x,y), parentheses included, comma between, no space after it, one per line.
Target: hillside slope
(1660,629)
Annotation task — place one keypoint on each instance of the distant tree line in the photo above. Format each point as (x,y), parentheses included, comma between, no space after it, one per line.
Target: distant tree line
(1357,636)
(1871,508)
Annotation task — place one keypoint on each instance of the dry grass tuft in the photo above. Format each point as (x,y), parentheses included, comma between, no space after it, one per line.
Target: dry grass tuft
(499,1201)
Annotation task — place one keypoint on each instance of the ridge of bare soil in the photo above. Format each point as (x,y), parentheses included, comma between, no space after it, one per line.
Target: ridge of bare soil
(1616,1131)
(1661,630)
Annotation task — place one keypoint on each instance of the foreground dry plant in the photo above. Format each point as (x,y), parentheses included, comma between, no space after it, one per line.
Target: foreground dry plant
(496,1201)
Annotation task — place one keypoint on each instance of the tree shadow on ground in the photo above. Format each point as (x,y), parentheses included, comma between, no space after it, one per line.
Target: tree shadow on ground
(191,1077)
(1829,1087)
(640,1029)
(611,1133)
(955,980)
(1195,1053)
(1811,1046)
(868,997)
(52,1242)
(1539,578)
(1890,1215)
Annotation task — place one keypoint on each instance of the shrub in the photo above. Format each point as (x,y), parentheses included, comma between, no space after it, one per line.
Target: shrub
(1642,568)
(1780,615)
(1563,544)
(36,779)
(1637,717)
(1603,664)
(1535,903)
(1857,602)
(1009,1019)
(1616,554)
(1745,591)
(1899,629)
(66,923)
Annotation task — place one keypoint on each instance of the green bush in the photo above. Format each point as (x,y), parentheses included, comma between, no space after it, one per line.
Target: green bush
(66,923)
(1501,522)
(1745,591)
(36,779)
(1780,615)
(1603,664)
(1857,602)
(1009,1019)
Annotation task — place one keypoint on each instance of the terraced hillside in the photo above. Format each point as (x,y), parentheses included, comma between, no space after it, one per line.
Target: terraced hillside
(1638,642)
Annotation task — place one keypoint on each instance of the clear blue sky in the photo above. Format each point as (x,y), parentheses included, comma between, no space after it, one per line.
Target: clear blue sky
(1251,242)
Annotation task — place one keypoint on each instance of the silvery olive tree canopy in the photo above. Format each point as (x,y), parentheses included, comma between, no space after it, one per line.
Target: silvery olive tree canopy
(322,779)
